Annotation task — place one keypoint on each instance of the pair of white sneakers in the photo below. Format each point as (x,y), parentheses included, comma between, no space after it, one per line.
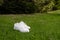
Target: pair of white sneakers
(21,26)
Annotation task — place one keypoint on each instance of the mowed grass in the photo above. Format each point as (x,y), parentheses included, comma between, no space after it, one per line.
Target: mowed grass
(43,27)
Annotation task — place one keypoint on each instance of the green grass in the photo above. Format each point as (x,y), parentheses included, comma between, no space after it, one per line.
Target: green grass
(1,1)
(43,27)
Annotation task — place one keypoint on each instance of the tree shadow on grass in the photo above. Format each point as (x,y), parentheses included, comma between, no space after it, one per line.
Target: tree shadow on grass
(55,14)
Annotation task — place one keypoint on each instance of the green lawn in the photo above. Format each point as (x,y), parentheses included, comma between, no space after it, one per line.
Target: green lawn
(43,27)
